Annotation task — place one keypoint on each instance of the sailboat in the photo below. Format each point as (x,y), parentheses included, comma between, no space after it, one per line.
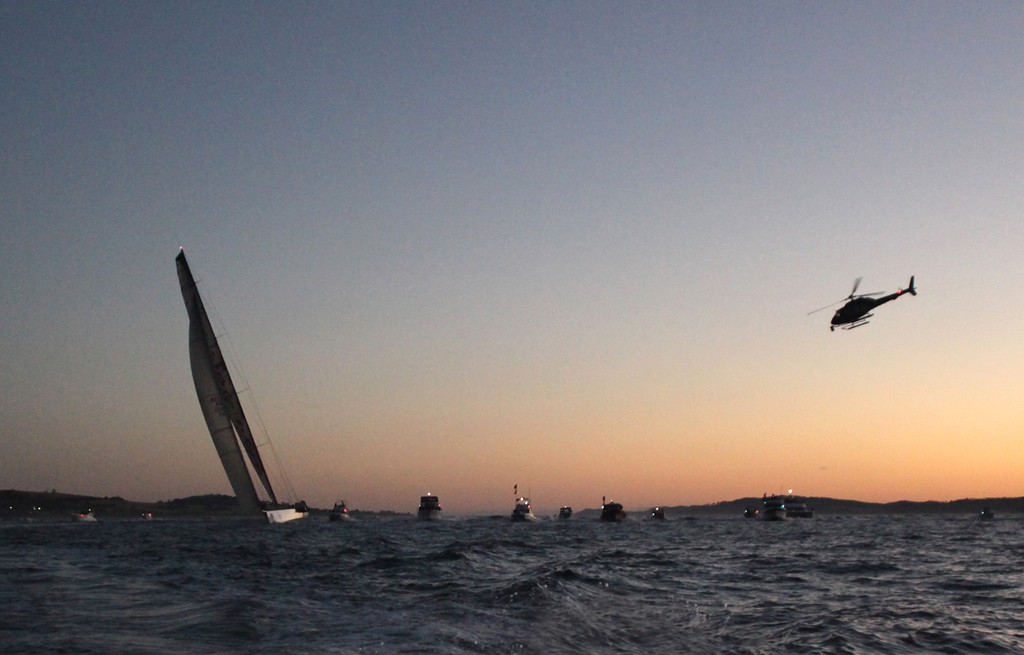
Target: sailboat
(222,410)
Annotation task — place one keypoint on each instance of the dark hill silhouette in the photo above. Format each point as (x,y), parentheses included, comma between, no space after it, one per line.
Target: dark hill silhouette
(53,504)
(834,506)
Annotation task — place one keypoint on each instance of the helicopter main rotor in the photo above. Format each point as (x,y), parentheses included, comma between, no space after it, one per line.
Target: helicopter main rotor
(853,295)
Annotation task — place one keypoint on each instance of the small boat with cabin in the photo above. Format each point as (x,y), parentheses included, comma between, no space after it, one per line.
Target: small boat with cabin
(986,513)
(797,508)
(86,517)
(612,511)
(523,510)
(658,514)
(565,513)
(339,512)
(430,508)
(773,508)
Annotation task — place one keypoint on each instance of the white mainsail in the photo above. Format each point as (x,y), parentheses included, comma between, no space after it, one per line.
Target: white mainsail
(218,399)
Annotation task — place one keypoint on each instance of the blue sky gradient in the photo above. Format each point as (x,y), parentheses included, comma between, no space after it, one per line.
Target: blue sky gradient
(459,246)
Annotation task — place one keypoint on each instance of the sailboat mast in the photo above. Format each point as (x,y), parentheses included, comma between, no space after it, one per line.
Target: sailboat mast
(219,399)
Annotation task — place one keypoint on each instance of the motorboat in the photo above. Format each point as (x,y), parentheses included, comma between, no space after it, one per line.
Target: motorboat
(430,508)
(797,508)
(86,517)
(773,508)
(986,513)
(658,513)
(612,511)
(523,510)
(565,513)
(339,512)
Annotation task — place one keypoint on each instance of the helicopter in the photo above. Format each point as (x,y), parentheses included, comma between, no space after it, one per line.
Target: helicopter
(856,311)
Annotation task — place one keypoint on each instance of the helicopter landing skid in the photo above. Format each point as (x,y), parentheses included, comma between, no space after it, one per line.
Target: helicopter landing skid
(859,322)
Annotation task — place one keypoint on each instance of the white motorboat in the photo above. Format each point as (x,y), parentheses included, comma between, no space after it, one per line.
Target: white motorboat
(612,511)
(797,508)
(430,508)
(523,510)
(773,508)
(339,512)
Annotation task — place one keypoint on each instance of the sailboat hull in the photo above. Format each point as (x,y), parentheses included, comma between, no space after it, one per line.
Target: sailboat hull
(284,515)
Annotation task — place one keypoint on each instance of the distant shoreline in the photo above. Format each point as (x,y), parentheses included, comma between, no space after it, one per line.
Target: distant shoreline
(51,505)
(16,504)
(824,506)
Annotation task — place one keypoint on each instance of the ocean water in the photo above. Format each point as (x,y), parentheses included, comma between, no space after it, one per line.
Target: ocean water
(893,584)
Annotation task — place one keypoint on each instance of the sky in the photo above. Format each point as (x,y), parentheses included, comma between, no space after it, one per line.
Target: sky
(455,247)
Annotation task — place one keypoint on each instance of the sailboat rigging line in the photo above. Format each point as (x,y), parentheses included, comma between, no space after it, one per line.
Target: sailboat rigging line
(278,470)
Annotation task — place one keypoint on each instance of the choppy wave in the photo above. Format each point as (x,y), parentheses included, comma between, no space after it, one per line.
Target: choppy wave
(825,585)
